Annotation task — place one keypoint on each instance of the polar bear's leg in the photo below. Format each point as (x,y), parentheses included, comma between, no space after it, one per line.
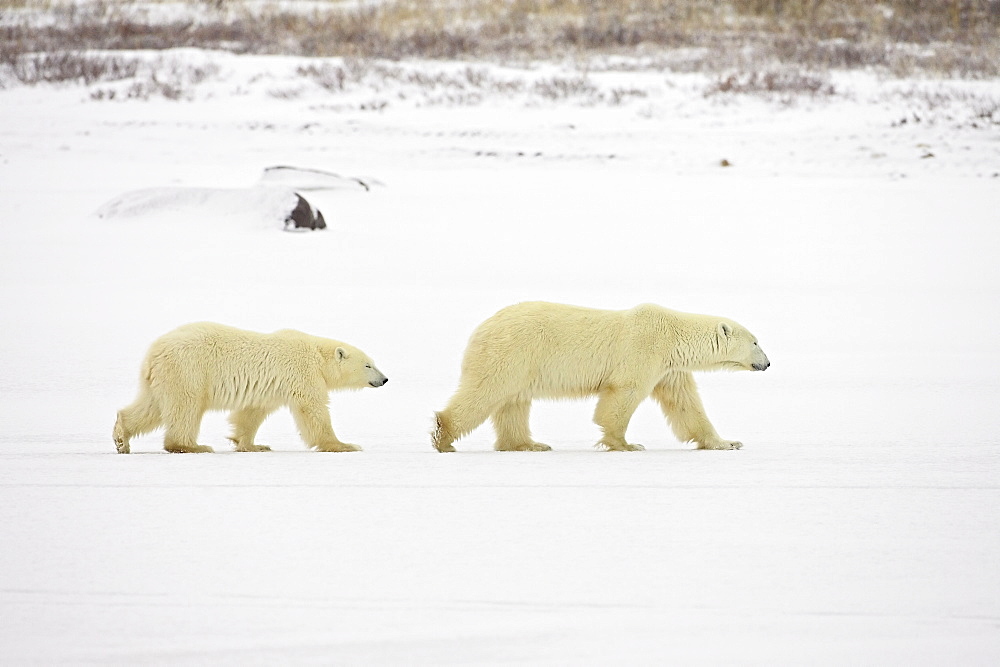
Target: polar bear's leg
(245,424)
(678,397)
(121,435)
(140,417)
(513,433)
(615,406)
(183,422)
(442,436)
(316,430)
(465,411)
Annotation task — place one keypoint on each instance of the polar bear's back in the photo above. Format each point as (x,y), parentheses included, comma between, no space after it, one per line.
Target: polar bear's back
(546,349)
(223,367)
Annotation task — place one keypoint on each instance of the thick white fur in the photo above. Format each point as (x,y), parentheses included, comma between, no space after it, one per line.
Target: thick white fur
(207,366)
(547,350)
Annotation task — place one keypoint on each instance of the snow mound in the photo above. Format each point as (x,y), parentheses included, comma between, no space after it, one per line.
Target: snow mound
(313,179)
(256,207)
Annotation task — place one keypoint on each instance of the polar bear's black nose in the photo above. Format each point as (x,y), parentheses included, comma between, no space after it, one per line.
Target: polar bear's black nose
(762,367)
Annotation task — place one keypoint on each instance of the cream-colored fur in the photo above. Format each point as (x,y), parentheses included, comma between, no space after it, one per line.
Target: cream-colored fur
(548,350)
(206,366)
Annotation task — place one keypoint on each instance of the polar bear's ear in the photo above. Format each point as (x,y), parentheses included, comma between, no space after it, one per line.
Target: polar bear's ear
(725,330)
(341,353)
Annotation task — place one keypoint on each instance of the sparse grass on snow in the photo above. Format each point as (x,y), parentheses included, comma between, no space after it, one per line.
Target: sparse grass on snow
(899,37)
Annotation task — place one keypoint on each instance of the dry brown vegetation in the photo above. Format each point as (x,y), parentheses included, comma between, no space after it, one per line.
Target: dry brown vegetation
(941,37)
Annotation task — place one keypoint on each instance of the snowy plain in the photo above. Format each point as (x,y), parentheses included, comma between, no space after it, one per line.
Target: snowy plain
(860,523)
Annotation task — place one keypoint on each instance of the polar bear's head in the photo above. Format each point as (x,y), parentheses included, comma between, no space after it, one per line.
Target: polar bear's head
(738,348)
(350,368)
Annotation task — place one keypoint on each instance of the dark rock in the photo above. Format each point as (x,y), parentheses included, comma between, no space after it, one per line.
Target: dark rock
(304,216)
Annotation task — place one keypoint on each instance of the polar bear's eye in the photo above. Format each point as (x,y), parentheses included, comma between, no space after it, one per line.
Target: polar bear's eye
(369,365)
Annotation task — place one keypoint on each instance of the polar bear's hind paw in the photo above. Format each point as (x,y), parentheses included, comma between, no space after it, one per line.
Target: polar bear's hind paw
(722,444)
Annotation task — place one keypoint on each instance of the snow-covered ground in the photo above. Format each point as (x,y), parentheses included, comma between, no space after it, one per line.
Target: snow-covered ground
(859,524)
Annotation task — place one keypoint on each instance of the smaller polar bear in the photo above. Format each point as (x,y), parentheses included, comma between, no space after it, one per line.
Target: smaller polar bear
(548,350)
(206,366)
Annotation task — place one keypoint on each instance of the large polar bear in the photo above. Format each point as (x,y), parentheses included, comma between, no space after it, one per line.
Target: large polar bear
(207,366)
(548,350)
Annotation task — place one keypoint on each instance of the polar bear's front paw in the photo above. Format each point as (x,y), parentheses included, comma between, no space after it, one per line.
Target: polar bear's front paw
(721,444)
(122,447)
